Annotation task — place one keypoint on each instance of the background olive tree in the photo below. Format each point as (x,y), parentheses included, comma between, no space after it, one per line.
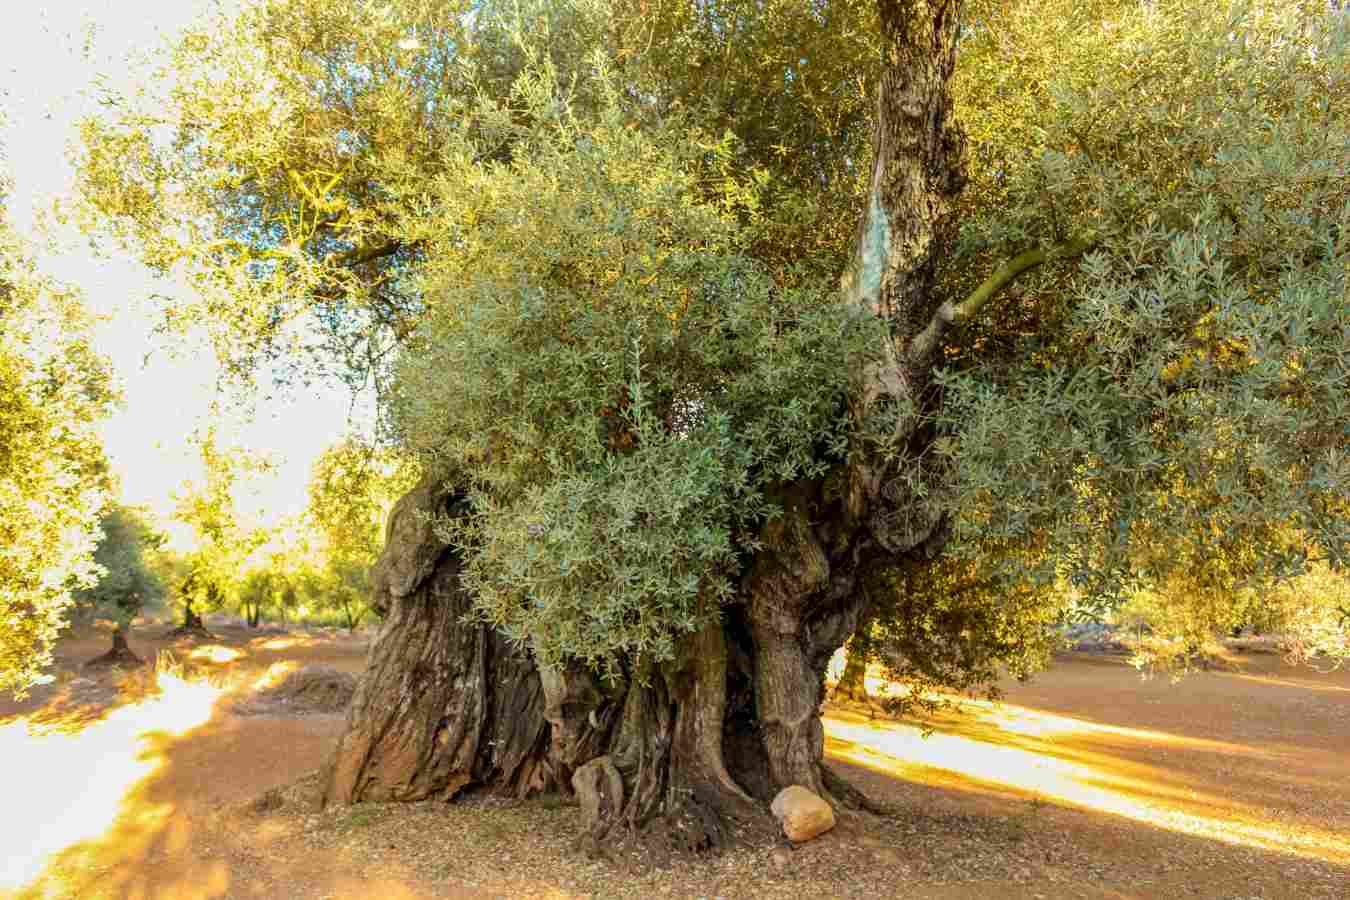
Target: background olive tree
(352,487)
(127,582)
(54,389)
(217,565)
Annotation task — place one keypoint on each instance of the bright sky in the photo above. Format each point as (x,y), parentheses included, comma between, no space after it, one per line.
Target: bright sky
(50,52)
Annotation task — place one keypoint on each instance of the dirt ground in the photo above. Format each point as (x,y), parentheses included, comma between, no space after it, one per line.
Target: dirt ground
(1087,782)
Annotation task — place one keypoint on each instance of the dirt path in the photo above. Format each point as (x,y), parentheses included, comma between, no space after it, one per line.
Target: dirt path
(1086,782)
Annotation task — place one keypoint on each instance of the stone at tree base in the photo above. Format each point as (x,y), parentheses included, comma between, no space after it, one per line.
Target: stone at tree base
(599,787)
(802,813)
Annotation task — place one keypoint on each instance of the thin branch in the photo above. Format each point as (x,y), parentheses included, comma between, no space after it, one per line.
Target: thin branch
(948,314)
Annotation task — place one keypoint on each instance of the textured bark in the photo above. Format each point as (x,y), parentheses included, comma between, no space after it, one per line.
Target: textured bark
(442,704)
(792,580)
(446,705)
(917,169)
(701,743)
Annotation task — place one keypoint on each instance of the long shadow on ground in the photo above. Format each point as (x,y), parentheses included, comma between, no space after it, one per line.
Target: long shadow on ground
(1088,783)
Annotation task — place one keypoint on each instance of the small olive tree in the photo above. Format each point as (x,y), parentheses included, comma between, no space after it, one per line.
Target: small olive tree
(216,566)
(126,583)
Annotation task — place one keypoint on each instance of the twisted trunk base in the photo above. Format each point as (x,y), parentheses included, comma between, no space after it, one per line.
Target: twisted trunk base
(442,705)
(692,749)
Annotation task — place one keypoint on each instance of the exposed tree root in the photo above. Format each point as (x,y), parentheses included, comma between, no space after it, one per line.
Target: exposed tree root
(120,655)
(847,795)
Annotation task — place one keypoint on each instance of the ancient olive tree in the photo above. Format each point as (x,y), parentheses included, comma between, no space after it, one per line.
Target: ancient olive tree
(672,460)
(668,486)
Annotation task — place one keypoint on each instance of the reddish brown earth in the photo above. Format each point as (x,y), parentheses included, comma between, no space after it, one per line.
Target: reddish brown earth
(1086,782)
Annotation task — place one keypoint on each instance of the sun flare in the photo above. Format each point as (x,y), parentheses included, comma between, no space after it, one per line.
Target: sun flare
(82,773)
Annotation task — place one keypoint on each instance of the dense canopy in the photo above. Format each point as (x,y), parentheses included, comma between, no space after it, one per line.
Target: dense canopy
(53,478)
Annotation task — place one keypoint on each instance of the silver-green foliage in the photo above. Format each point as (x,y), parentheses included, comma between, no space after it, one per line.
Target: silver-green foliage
(1182,406)
(609,371)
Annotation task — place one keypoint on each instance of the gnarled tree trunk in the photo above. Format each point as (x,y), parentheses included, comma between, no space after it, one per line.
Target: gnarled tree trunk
(442,704)
(704,741)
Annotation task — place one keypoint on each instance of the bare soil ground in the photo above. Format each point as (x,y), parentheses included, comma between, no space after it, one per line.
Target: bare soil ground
(1087,782)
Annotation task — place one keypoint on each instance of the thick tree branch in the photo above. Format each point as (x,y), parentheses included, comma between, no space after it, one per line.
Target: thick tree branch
(1009,271)
(926,342)
(366,254)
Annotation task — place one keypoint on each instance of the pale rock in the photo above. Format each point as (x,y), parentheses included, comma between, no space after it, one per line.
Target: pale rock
(802,813)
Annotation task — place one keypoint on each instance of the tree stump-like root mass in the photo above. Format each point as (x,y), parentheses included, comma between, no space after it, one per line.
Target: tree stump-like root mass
(685,755)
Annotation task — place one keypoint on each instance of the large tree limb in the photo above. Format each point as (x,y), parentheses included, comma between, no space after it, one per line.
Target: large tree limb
(918,169)
(948,314)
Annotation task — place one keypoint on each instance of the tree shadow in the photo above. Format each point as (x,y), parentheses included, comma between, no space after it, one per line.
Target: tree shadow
(1227,795)
(155,798)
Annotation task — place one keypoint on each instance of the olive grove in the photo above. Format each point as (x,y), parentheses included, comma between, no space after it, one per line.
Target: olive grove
(720,329)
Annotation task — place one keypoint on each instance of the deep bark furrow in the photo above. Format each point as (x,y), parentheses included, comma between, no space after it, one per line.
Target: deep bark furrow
(418,726)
